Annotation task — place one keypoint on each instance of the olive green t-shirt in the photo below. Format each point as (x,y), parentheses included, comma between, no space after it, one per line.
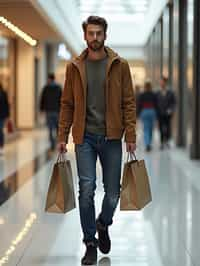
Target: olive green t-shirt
(95,112)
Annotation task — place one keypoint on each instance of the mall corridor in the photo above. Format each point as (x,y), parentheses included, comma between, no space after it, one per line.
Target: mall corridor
(165,233)
(154,52)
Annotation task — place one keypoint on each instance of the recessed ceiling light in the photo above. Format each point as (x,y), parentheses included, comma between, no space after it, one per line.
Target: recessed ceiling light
(27,38)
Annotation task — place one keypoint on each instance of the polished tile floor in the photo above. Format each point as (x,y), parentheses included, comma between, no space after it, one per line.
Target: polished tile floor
(165,233)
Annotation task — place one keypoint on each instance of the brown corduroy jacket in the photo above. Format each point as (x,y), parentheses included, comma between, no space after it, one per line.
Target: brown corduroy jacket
(120,114)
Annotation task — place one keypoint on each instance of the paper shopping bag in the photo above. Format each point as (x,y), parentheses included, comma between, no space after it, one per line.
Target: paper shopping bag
(135,190)
(60,196)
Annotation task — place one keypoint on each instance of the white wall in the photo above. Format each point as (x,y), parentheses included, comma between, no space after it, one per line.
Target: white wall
(131,53)
(62,15)
(155,11)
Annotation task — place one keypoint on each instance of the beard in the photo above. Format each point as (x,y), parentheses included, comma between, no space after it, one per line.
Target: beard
(95,45)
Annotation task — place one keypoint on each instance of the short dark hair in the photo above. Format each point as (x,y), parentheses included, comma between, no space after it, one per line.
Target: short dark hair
(96,20)
(51,76)
(165,79)
(148,85)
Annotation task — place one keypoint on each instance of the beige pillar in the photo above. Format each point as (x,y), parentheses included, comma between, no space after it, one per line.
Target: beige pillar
(40,53)
(42,80)
(25,86)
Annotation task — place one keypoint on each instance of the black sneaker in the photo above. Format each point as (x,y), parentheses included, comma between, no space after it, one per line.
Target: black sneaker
(148,148)
(90,257)
(167,145)
(104,242)
(162,147)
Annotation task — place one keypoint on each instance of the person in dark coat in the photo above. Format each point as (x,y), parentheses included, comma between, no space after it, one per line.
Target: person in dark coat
(4,114)
(50,104)
(147,111)
(166,108)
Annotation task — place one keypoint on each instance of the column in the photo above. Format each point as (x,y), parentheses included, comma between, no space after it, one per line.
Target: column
(182,75)
(25,86)
(195,146)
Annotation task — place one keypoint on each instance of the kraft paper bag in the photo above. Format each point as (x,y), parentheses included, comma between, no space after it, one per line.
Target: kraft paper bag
(135,190)
(60,196)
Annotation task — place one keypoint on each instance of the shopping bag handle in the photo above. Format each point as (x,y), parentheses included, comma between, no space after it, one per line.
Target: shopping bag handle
(132,156)
(61,158)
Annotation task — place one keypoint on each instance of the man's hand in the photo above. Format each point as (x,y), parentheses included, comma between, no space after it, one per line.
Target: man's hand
(130,147)
(61,147)
(42,113)
(169,111)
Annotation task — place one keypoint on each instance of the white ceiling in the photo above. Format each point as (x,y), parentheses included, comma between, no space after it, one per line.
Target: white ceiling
(118,9)
(129,21)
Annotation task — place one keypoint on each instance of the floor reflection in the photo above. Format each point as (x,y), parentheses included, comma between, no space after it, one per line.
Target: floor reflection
(174,212)
(105,261)
(11,184)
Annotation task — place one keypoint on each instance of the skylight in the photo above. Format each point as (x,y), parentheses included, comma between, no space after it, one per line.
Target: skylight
(114,10)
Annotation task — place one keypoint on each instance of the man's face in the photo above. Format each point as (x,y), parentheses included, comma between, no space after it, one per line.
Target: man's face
(95,37)
(162,84)
(49,80)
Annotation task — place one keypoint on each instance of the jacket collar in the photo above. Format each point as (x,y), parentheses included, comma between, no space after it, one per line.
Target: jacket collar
(81,58)
(79,62)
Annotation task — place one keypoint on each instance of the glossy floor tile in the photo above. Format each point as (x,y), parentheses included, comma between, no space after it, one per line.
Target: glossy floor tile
(165,233)
(22,151)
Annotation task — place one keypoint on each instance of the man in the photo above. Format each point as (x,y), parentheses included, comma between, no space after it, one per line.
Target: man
(50,104)
(4,114)
(98,100)
(166,107)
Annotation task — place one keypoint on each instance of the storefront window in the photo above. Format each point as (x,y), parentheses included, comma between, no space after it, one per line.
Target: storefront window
(166,42)
(4,68)
(190,21)
(7,71)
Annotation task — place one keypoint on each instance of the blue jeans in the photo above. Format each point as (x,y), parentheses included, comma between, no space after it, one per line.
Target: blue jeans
(52,124)
(148,117)
(110,156)
(1,133)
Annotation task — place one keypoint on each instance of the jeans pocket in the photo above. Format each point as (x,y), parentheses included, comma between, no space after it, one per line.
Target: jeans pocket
(78,146)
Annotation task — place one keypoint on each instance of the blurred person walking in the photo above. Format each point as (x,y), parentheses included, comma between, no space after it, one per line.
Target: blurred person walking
(50,104)
(4,114)
(166,107)
(98,100)
(147,110)
(137,95)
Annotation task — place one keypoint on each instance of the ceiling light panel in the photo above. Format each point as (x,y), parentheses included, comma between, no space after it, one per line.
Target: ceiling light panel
(115,9)
(27,38)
